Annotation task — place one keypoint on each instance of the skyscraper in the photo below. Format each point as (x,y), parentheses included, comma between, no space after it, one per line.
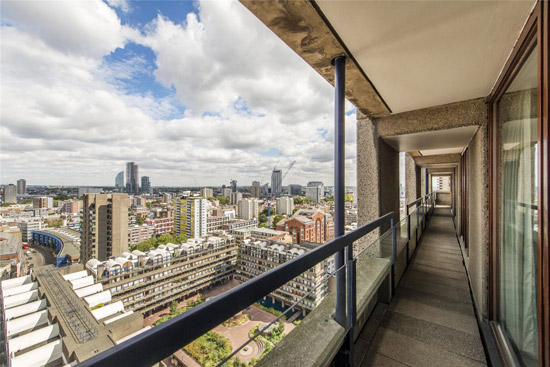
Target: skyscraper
(255,190)
(10,194)
(119,181)
(315,190)
(132,178)
(190,216)
(233,185)
(146,185)
(276,182)
(104,226)
(21,187)
(295,189)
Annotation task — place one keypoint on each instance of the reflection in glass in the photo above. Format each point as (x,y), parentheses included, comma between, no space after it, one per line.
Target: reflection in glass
(518,207)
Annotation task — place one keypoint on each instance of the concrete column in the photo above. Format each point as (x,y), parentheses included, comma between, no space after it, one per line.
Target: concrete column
(411,187)
(377,175)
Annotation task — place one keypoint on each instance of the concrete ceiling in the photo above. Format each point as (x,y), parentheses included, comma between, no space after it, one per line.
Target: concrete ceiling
(434,142)
(426,53)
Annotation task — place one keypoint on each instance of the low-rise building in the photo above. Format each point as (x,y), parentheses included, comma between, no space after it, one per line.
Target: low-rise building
(137,234)
(215,223)
(27,226)
(309,225)
(162,225)
(240,224)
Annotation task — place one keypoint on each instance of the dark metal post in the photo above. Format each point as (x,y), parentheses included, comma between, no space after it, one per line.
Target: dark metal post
(417,225)
(394,257)
(408,233)
(339,182)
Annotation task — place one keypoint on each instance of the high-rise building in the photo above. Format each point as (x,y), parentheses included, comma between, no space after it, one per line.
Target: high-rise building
(285,205)
(235,197)
(255,190)
(294,189)
(72,206)
(276,182)
(146,185)
(315,190)
(226,192)
(104,226)
(10,194)
(132,178)
(207,192)
(21,187)
(247,209)
(190,216)
(42,202)
(119,181)
(233,185)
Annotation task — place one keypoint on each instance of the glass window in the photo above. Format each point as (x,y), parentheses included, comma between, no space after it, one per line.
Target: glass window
(518,209)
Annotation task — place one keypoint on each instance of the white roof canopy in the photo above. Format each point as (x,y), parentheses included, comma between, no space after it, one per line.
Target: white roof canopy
(33,338)
(25,323)
(78,274)
(10,283)
(98,298)
(20,289)
(108,310)
(39,356)
(25,309)
(86,291)
(82,282)
(20,299)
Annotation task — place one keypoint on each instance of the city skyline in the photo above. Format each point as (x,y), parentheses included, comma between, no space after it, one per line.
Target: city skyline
(237,102)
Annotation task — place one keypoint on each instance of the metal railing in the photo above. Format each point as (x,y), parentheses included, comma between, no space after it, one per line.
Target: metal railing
(161,341)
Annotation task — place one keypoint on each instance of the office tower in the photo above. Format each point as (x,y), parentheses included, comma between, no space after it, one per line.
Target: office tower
(132,178)
(119,181)
(226,192)
(207,192)
(247,209)
(276,182)
(285,205)
(294,189)
(42,202)
(21,187)
(233,185)
(190,218)
(146,185)
(104,226)
(255,190)
(235,197)
(10,194)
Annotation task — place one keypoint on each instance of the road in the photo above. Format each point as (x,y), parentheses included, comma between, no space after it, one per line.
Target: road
(42,256)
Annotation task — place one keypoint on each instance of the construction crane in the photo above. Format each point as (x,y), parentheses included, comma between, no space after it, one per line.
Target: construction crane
(271,195)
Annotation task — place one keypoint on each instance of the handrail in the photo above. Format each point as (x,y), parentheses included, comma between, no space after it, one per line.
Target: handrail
(161,341)
(415,202)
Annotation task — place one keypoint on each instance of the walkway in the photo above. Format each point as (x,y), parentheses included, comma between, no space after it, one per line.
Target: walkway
(430,321)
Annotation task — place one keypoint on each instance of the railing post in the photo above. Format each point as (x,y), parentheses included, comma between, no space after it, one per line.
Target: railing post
(394,258)
(417,225)
(408,233)
(345,356)
(339,182)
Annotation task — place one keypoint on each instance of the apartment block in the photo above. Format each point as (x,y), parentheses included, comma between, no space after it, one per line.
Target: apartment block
(235,197)
(240,224)
(72,207)
(284,205)
(215,223)
(10,194)
(190,216)
(162,225)
(137,234)
(247,209)
(260,256)
(146,281)
(42,202)
(28,225)
(226,192)
(255,189)
(207,192)
(104,226)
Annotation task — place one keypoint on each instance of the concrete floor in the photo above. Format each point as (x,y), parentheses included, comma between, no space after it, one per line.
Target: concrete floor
(430,321)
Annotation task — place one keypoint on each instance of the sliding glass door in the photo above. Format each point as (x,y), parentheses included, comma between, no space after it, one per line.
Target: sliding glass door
(518,212)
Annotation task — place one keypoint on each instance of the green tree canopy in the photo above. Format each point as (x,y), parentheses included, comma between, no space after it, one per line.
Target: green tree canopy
(223,200)
(298,200)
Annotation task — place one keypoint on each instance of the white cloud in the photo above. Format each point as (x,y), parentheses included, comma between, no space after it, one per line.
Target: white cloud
(66,118)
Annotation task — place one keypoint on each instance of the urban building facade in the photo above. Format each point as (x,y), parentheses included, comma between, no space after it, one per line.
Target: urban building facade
(247,209)
(10,194)
(276,182)
(42,202)
(27,226)
(308,226)
(207,192)
(21,187)
(104,226)
(140,233)
(215,223)
(255,189)
(255,258)
(315,190)
(294,189)
(226,192)
(190,216)
(71,207)
(132,178)
(146,185)
(233,185)
(119,182)
(284,205)
(235,197)
(162,224)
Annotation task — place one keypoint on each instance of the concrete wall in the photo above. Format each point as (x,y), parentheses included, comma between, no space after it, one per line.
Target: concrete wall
(411,179)
(477,260)
(443,198)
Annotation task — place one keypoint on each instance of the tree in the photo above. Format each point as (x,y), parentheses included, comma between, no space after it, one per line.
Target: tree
(61,197)
(180,238)
(139,220)
(308,200)
(263,225)
(263,218)
(223,200)
(294,211)
(329,198)
(298,200)
(211,198)
(276,219)
(173,307)
(163,239)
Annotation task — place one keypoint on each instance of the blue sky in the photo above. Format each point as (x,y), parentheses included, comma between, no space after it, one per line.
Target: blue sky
(190,91)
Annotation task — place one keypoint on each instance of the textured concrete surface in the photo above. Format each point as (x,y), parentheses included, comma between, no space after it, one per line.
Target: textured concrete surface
(430,321)
(300,26)
(458,114)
